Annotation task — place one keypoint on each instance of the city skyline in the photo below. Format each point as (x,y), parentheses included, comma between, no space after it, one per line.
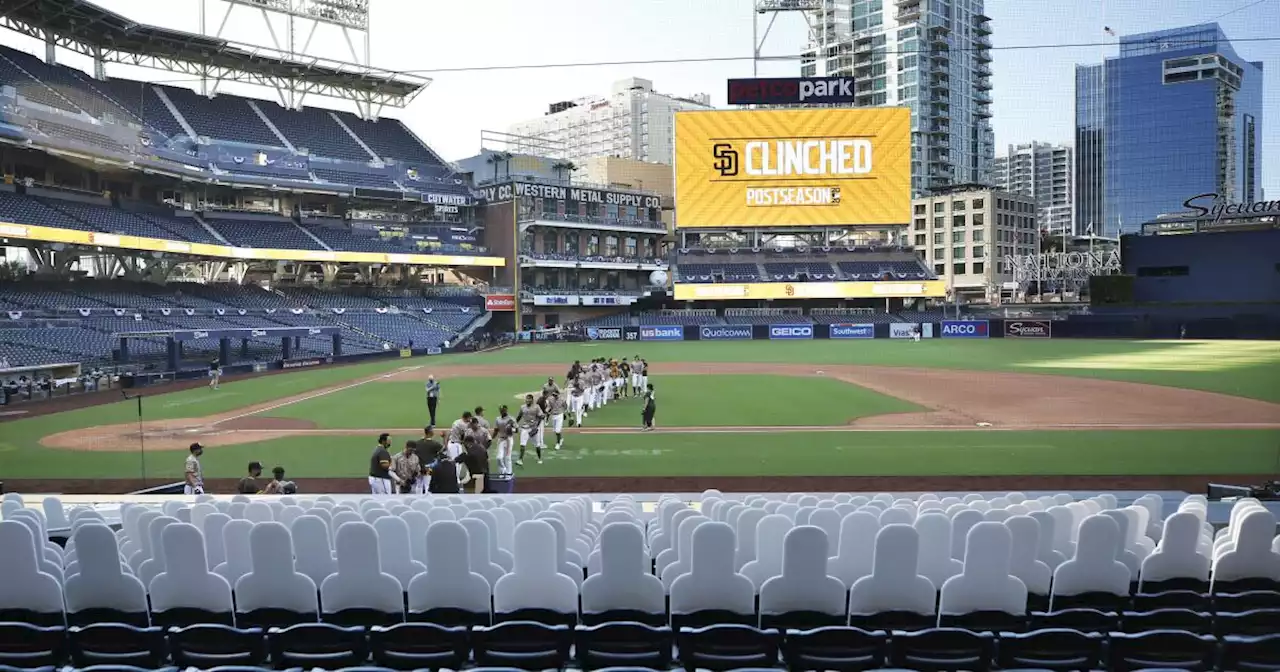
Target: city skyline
(1033,76)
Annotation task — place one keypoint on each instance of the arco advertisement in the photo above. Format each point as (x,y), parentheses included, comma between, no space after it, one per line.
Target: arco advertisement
(966,329)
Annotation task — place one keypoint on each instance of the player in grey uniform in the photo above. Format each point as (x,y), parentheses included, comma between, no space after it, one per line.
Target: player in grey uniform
(504,430)
(577,401)
(457,434)
(479,415)
(529,419)
(637,376)
(558,406)
(550,387)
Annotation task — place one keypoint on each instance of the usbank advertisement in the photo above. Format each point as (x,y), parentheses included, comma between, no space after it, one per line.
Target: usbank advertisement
(796,167)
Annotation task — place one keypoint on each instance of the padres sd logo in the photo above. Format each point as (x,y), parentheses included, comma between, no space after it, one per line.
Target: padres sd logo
(791,291)
(726,159)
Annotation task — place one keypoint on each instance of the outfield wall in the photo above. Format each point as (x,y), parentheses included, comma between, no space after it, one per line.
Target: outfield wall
(1135,326)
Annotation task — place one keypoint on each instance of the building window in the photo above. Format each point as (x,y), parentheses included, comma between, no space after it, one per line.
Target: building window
(610,246)
(920,223)
(938,237)
(593,245)
(957,269)
(937,207)
(957,253)
(978,235)
(920,208)
(979,267)
(571,243)
(921,239)
(939,269)
(979,219)
(957,206)
(939,253)
(939,222)
(977,203)
(630,249)
(957,236)
(957,220)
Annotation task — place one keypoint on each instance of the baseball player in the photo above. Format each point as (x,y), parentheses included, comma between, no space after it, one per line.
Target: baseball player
(550,387)
(644,375)
(381,477)
(915,333)
(637,375)
(544,403)
(215,372)
(602,384)
(504,431)
(457,433)
(577,402)
(529,419)
(624,381)
(193,473)
(408,470)
(558,406)
(478,414)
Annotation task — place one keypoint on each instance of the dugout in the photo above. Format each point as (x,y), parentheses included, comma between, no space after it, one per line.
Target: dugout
(232,344)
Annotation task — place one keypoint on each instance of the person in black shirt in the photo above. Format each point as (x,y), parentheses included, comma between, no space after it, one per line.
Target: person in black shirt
(215,372)
(443,472)
(429,449)
(249,484)
(650,408)
(380,475)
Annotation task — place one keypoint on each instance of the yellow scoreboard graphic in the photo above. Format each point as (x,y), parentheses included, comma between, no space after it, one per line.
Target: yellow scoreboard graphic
(793,167)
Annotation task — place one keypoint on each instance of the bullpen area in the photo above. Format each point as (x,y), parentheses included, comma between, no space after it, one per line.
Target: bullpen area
(785,414)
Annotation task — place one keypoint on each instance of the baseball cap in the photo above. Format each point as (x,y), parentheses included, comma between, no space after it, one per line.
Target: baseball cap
(195,447)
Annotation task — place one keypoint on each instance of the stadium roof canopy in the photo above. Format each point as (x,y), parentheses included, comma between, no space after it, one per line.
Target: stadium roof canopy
(105,36)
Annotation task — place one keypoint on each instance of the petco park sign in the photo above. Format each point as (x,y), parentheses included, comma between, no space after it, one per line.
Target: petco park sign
(789,90)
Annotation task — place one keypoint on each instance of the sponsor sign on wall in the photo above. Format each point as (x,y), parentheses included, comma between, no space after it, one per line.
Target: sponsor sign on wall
(301,363)
(662,333)
(793,167)
(902,329)
(604,333)
(730,332)
(631,333)
(789,90)
(788,332)
(853,331)
(808,290)
(554,300)
(1028,329)
(500,302)
(966,329)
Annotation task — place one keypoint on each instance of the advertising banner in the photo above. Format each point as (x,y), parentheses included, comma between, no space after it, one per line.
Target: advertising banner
(853,331)
(790,332)
(966,329)
(809,290)
(793,167)
(554,300)
(791,90)
(435,351)
(500,303)
(1028,329)
(901,329)
(662,333)
(631,333)
(301,363)
(729,332)
(604,333)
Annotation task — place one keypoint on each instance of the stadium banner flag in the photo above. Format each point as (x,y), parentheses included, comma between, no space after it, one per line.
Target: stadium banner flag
(662,333)
(966,329)
(790,332)
(810,290)
(725,332)
(1028,329)
(793,167)
(844,331)
(604,333)
(500,303)
(902,329)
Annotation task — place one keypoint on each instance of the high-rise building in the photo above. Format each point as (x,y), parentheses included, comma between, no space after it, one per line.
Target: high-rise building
(1043,172)
(968,233)
(933,56)
(1176,114)
(632,122)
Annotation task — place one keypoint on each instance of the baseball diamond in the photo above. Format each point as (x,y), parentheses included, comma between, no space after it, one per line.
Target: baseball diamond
(740,414)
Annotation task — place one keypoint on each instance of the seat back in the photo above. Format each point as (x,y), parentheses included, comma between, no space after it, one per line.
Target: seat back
(273,585)
(102,583)
(856,553)
(623,586)
(187,587)
(27,594)
(394,552)
(803,591)
(449,589)
(894,584)
(767,564)
(311,543)
(712,585)
(1035,574)
(360,587)
(535,582)
(1094,568)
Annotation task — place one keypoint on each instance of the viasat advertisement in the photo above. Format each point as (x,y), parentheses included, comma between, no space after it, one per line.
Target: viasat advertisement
(793,167)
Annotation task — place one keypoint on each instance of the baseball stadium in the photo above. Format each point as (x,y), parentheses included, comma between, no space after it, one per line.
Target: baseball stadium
(538,408)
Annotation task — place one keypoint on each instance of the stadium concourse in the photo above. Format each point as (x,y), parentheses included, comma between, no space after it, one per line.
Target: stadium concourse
(802,581)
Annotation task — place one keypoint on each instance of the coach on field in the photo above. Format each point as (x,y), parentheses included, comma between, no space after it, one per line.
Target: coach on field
(433,397)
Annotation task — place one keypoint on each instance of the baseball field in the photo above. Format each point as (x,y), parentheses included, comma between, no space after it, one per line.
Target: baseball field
(751,415)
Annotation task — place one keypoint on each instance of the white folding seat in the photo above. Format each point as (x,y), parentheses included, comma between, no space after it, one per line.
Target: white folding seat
(666,537)
(980,505)
(803,595)
(288,514)
(678,561)
(506,528)
(622,589)
(1064,530)
(897,516)
(828,520)
(971,498)
(449,593)
(1176,562)
(478,542)
(985,596)
(200,512)
(770,533)
(1080,511)
(803,515)
(237,509)
(935,562)
(273,593)
(323,514)
(960,524)
(418,523)
(460,511)
(215,549)
(536,586)
(138,547)
(27,594)
(788,509)
(842,497)
(1251,564)
(1093,577)
(1000,502)
(996,515)
(394,554)
(932,505)
(153,566)
(576,548)
(1035,574)
(44,562)
(712,592)
(187,592)
(845,509)
(258,512)
(1139,522)
(1126,555)
(101,591)
(235,539)
(567,568)
(773,506)
(745,533)
(342,517)
(1022,509)
(372,515)
(1154,505)
(948,502)
(855,552)
(1016,497)
(360,593)
(311,546)
(54,514)
(893,595)
(1108,500)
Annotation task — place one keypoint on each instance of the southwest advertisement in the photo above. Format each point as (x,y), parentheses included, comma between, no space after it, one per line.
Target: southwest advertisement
(839,331)
(793,167)
(809,290)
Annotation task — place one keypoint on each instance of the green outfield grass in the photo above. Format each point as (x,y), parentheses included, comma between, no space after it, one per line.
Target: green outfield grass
(1247,369)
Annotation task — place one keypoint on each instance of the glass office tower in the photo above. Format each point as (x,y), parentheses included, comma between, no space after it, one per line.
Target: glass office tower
(1176,114)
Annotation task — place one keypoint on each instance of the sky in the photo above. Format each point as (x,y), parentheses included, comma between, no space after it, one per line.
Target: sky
(467,49)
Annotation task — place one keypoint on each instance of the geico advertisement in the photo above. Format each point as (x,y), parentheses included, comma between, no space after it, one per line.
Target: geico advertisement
(816,167)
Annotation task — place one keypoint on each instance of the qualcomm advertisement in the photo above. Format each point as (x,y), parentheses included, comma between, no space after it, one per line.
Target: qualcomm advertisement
(853,331)
(787,332)
(966,329)
(663,333)
(731,332)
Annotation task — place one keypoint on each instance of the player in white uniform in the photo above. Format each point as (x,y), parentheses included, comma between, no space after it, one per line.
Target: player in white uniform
(557,408)
(637,376)
(505,429)
(577,401)
(457,432)
(530,421)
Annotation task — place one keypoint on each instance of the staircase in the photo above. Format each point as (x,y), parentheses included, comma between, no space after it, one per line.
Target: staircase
(475,324)
(173,109)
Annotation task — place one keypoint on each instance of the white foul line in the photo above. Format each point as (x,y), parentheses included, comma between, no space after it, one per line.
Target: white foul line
(319,394)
